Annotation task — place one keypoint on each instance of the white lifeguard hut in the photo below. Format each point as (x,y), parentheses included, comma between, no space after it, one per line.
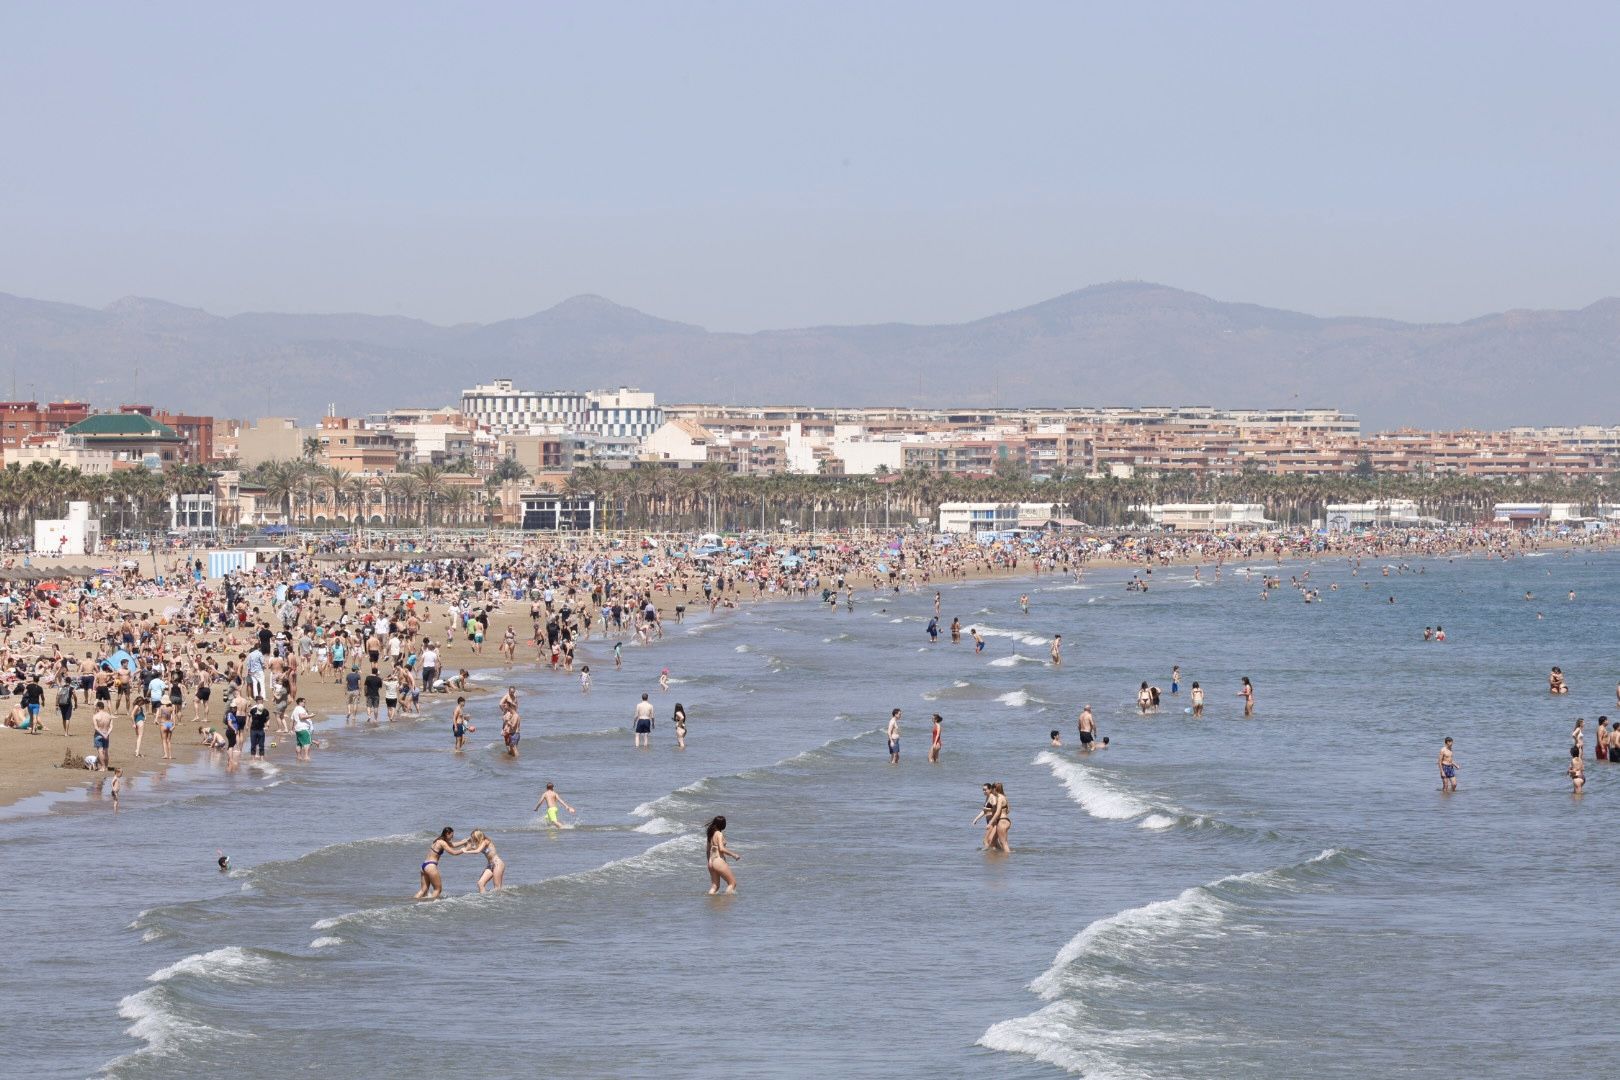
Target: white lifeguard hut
(76,534)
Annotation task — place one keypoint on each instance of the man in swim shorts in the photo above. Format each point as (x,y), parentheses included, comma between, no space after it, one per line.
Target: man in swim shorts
(1088,729)
(894,737)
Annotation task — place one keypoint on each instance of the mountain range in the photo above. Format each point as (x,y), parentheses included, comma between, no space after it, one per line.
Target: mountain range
(1115,344)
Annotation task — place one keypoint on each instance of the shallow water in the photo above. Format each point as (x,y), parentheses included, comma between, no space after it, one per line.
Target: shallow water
(1282,896)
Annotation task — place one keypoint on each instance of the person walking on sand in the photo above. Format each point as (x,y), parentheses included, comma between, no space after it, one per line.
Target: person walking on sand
(1448,767)
(551,800)
(718,853)
(644,722)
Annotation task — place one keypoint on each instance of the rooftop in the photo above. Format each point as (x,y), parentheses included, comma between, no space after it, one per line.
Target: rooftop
(125,425)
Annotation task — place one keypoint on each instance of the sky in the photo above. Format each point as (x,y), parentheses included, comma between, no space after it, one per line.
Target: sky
(754,165)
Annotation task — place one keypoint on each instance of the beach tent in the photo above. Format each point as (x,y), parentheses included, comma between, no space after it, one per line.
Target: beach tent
(111,663)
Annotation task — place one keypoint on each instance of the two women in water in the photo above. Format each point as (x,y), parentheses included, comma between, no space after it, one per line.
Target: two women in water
(997,817)
(478,843)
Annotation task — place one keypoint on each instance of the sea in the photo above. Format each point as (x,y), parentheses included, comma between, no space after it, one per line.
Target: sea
(1287,895)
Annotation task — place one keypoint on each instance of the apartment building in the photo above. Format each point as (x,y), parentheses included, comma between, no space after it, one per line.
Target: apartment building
(21,419)
(350,445)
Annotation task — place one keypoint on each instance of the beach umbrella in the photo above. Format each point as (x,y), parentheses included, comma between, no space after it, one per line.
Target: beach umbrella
(112,661)
(331,586)
(48,586)
(301,587)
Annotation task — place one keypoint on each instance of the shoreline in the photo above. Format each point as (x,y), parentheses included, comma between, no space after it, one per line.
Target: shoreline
(33,762)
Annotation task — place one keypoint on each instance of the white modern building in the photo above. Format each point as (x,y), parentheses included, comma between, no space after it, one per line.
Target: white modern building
(1534,515)
(1203,516)
(507,410)
(551,512)
(977,517)
(1343,517)
(193,511)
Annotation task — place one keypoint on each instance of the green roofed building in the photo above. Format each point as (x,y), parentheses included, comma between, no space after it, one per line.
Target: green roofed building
(132,437)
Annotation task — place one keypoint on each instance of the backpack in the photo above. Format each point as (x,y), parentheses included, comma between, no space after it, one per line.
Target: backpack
(64,694)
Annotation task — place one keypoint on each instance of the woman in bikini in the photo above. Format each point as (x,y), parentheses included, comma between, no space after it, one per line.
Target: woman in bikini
(987,814)
(1001,818)
(432,884)
(718,854)
(495,872)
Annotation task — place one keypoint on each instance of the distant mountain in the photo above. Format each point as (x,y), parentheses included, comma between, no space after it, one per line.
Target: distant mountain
(1123,343)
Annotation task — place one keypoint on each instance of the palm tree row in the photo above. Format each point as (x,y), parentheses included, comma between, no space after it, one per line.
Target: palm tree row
(709,497)
(423,495)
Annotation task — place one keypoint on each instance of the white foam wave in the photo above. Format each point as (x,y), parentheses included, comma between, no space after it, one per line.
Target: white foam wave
(1094,794)
(659,827)
(744,647)
(1015,699)
(325,942)
(164,1031)
(1157,821)
(1015,658)
(1016,635)
(230,964)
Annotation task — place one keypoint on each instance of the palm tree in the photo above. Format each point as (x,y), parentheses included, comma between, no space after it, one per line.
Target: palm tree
(431,485)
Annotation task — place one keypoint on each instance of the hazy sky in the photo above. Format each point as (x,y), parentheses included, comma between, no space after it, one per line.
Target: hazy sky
(768,164)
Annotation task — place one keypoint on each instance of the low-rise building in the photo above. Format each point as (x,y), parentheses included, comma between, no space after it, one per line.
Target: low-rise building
(1200,517)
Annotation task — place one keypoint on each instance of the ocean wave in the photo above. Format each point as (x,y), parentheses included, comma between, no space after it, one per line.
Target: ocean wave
(1015,658)
(230,964)
(325,942)
(166,1032)
(1016,635)
(744,647)
(1131,947)
(1015,699)
(684,796)
(658,826)
(1095,795)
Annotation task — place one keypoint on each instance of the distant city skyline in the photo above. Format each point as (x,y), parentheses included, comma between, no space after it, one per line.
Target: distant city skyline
(744,167)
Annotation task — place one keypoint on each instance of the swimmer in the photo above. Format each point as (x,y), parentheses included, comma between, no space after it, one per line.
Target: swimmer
(1448,767)
(718,853)
(1197,694)
(494,867)
(444,844)
(1247,694)
(1057,739)
(1576,771)
(643,722)
(933,744)
(1088,729)
(224,862)
(550,800)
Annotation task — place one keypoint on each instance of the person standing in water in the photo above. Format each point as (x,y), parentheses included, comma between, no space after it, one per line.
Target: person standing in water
(987,814)
(1577,770)
(1001,818)
(1057,650)
(644,722)
(894,737)
(459,725)
(494,868)
(117,787)
(933,742)
(1197,695)
(1448,767)
(679,718)
(718,853)
(444,844)
(1175,680)
(1577,738)
(550,800)
(1247,694)
(1088,729)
